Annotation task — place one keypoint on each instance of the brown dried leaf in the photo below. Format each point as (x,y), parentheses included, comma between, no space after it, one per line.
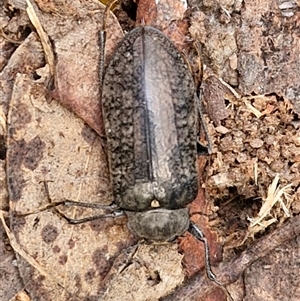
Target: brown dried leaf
(154,271)
(46,142)
(75,38)
(11,283)
(26,58)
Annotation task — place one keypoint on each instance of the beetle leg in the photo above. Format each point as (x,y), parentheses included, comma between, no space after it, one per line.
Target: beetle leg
(195,231)
(114,210)
(117,213)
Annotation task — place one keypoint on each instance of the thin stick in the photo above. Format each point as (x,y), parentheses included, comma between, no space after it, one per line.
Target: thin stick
(49,55)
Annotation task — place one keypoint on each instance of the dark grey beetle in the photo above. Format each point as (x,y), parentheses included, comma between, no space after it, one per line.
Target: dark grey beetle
(150,116)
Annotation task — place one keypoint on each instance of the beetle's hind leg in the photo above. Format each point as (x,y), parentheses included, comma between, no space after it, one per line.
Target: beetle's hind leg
(111,210)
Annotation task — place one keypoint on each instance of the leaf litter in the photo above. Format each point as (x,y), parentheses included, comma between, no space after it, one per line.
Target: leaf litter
(245,166)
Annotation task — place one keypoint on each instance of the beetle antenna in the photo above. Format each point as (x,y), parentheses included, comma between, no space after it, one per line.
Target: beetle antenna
(102,38)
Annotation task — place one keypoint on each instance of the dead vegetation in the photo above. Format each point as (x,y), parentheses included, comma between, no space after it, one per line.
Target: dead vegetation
(48,71)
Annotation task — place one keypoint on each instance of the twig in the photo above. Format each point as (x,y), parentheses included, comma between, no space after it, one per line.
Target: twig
(49,55)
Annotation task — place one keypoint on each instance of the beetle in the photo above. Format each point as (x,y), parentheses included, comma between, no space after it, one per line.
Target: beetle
(150,118)
(151,115)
